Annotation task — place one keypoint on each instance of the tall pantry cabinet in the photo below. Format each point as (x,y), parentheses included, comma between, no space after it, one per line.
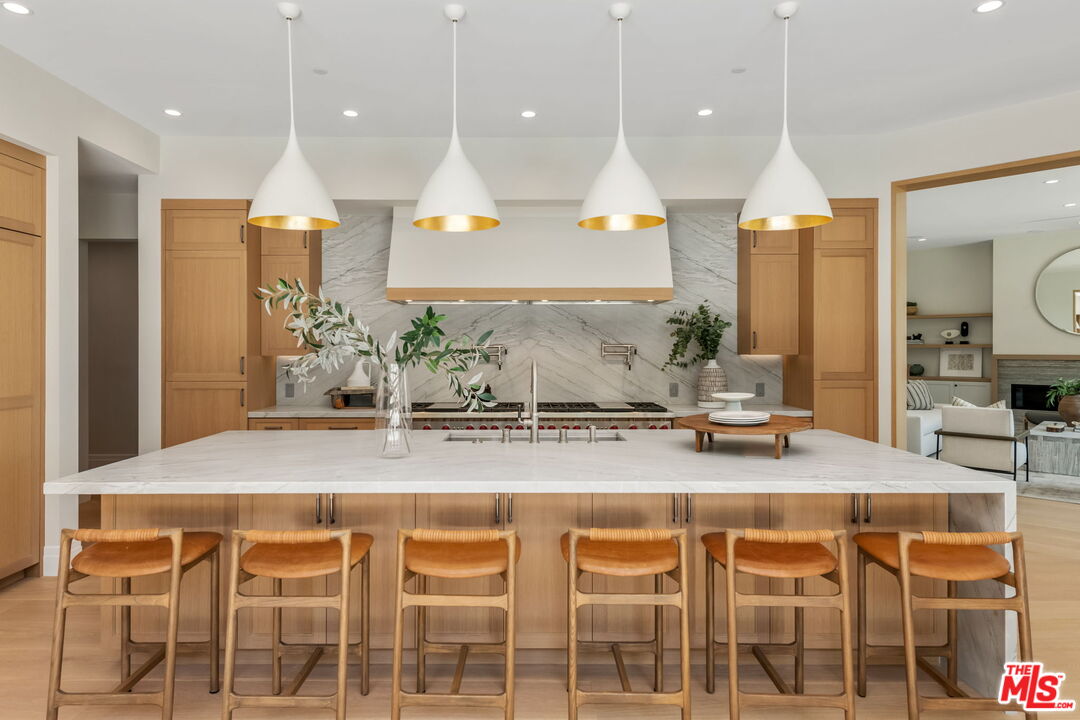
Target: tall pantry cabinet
(213,365)
(834,370)
(22,343)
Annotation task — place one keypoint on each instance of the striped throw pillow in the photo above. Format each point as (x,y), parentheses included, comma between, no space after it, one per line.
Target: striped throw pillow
(960,402)
(918,396)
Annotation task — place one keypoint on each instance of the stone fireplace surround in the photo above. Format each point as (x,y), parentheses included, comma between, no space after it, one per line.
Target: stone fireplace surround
(1030,370)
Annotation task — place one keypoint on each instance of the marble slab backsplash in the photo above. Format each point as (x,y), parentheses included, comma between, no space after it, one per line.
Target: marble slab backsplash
(563,339)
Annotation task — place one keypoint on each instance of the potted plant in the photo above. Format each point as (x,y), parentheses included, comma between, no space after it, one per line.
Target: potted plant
(706,328)
(912,308)
(1065,395)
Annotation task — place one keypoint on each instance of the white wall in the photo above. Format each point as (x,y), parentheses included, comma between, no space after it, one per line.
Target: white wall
(45,114)
(1019,327)
(107,215)
(958,279)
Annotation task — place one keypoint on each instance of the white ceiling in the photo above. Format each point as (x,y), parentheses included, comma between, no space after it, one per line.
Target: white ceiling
(857,67)
(978,211)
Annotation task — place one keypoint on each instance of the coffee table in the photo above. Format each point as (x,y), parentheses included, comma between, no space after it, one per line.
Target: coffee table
(1053,452)
(779,426)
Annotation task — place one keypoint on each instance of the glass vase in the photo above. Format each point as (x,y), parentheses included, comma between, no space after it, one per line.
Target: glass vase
(393,413)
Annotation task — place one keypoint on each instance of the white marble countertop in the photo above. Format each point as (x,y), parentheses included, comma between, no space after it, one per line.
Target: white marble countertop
(325,411)
(242,462)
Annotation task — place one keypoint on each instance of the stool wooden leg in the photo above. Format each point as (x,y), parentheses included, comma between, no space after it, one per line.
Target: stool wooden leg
(800,634)
(275,644)
(658,637)
(365,626)
(231,630)
(907,616)
(732,631)
(421,637)
(215,620)
(341,705)
(952,665)
(169,690)
(125,633)
(56,663)
(860,624)
(399,630)
(511,626)
(1023,619)
(845,630)
(571,634)
(710,623)
(684,627)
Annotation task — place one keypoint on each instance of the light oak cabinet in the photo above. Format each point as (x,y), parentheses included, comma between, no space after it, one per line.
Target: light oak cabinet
(22,343)
(273,424)
(287,255)
(768,293)
(333,424)
(835,371)
(213,368)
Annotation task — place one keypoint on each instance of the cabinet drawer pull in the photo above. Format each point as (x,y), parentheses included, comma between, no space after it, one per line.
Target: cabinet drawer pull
(305,239)
(674,508)
(330,509)
(242,365)
(689,507)
(753,240)
(318,509)
(242,228)
(498,508)
(272,427)
(869,508)
(341,427)
(854,508)
(509,508)
(243,402)
(753,341)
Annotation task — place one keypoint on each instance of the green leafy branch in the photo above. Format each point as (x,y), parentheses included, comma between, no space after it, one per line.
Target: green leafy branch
(1061,389)
(702,326)
(333,335)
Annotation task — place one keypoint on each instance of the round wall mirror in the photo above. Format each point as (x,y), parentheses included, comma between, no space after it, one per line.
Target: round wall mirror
(1057,292)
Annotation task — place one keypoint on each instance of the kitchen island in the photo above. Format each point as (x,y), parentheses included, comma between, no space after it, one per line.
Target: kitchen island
(310,479)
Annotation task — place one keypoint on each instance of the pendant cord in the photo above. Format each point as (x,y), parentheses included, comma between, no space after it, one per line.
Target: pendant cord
(786,21)
(292,111)
(453,65)
(620,21)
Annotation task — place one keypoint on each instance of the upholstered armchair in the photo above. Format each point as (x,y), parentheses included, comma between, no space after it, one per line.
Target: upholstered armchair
(980,438)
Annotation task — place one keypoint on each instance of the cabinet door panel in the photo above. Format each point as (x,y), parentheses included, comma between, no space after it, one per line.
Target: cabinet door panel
(22,196)
(380,516)
(784,242)
(887,512)
(303,625)
(276,339)
(540,520)
(272,424)
(205,229)
(287,242)
(660,510)
(844,323)
(195,410)
(813,512)
(850,228)
(774,304)
(715,513)
(461,511)
(846,406)
(215,513)
(204,319)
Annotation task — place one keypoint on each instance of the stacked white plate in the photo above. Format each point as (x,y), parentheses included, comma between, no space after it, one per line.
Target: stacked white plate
(739,417)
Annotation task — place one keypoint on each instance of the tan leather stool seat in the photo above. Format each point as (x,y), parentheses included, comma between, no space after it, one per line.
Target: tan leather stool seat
(302,560)
(457,560)
(776,560)
(623,559)
(941,562)
(135,559)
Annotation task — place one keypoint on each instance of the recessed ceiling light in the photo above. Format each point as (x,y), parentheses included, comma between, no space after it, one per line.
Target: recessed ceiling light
(1051,182)
(738,70)
(989,6)
(1070,204)
(920,239)
(171,112)
(528,113)
(350,113)
(14,7)
(320,71)
(704,112)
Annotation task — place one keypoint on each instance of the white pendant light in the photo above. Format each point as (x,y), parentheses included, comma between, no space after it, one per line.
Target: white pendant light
(786,195)
(621,197)
(291,196)
(455,198)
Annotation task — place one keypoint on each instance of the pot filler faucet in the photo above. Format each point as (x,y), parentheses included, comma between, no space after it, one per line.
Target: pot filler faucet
(534,408)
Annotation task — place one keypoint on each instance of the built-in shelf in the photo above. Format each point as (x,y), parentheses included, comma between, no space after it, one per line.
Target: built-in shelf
(944,317)
(957,379)
(954,345)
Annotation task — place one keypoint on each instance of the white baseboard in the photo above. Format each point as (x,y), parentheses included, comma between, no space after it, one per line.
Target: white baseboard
(50,558)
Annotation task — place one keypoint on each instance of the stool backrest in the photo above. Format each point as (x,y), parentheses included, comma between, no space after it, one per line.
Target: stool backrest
(126,535)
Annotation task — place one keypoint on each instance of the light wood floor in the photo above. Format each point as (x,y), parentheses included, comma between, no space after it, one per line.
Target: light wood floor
(1053,549)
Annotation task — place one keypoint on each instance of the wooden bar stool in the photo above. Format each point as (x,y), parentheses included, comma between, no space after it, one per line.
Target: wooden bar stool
(453,554)
(794,554)
(954,557)
(629,553)
(290,554)
(125,554)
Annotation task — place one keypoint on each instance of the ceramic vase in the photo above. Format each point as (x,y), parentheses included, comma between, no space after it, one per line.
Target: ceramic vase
(711,379)
(393,413)
(1069,408)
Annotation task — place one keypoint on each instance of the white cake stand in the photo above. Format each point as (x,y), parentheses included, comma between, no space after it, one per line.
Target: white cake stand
(732,400)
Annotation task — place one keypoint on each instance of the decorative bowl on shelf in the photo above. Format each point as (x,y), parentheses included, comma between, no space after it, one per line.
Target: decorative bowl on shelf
(732,400)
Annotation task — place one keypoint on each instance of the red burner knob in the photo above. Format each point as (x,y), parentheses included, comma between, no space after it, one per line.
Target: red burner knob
(613,427)
(632,427)
(445,427)
(427,427)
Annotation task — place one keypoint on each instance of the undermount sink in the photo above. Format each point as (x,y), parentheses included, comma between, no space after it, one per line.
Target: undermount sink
(522,436)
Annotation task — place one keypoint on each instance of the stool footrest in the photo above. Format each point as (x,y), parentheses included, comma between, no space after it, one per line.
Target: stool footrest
(805,601)
(612,697)
(428,600)
(287,601)
(109,698)
(283,701)
(492,648)
(114,600)
(950,703)
(670,599)
(925,603)
(448,700)
(770,699)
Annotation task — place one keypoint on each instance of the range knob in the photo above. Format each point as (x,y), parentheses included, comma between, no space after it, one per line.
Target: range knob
(445,427)
(426,427)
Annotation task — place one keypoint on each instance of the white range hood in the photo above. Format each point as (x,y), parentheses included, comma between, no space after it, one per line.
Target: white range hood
(538,254)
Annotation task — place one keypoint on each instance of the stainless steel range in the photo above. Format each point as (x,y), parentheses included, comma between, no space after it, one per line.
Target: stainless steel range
(630,415)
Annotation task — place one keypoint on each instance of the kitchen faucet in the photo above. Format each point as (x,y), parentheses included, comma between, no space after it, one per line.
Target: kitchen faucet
(534,408)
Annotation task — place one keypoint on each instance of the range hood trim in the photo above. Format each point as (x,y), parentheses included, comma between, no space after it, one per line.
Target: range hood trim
(530,295)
